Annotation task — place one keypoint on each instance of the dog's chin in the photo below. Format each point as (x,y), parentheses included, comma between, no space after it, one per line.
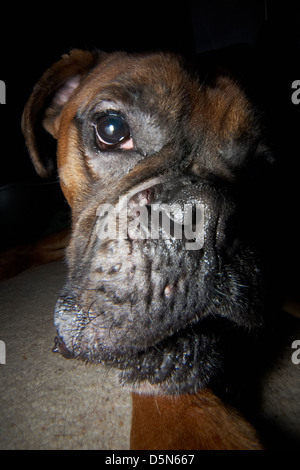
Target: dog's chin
(180,356)
(183,362)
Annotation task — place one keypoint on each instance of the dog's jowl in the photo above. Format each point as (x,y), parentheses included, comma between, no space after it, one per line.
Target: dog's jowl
(151,160)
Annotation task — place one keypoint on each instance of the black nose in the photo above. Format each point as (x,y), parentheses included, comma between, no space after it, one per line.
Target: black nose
(170,209)
(198,212)
(61,348)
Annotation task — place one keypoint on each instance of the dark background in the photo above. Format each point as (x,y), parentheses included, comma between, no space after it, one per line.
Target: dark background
(257,40)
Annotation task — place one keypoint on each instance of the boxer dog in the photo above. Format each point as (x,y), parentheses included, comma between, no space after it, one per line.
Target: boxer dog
(142,142)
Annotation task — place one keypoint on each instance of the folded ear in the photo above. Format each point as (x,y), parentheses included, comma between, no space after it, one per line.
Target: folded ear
(235,125)
(44,107)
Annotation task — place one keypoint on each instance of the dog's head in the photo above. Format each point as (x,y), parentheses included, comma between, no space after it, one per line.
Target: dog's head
(149,158)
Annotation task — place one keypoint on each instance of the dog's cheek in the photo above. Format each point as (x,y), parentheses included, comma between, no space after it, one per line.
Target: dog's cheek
(72,172)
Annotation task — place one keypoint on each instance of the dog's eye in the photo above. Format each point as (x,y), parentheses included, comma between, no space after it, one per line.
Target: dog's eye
(112,131)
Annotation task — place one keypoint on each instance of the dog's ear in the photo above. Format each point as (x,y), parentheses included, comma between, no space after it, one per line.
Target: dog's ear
(49,96)
(236,125)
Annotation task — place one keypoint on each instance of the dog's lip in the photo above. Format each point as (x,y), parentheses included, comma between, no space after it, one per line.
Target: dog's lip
(60,348)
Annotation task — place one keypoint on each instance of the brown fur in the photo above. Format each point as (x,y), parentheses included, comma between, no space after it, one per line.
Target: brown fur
(47,249)
(189,422)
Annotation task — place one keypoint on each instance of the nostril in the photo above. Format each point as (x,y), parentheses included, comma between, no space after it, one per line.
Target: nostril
(61,348)
(142,198)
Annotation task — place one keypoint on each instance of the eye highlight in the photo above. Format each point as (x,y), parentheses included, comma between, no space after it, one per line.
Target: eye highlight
(112,131)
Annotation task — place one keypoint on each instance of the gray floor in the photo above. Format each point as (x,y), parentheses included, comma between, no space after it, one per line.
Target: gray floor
(48,402)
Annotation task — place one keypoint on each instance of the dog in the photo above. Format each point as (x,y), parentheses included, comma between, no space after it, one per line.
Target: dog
(139,133)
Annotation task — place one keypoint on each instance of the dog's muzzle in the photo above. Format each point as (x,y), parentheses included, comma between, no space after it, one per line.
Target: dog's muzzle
(159,262)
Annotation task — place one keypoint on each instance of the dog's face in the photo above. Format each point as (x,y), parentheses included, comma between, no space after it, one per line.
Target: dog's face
(138,136)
